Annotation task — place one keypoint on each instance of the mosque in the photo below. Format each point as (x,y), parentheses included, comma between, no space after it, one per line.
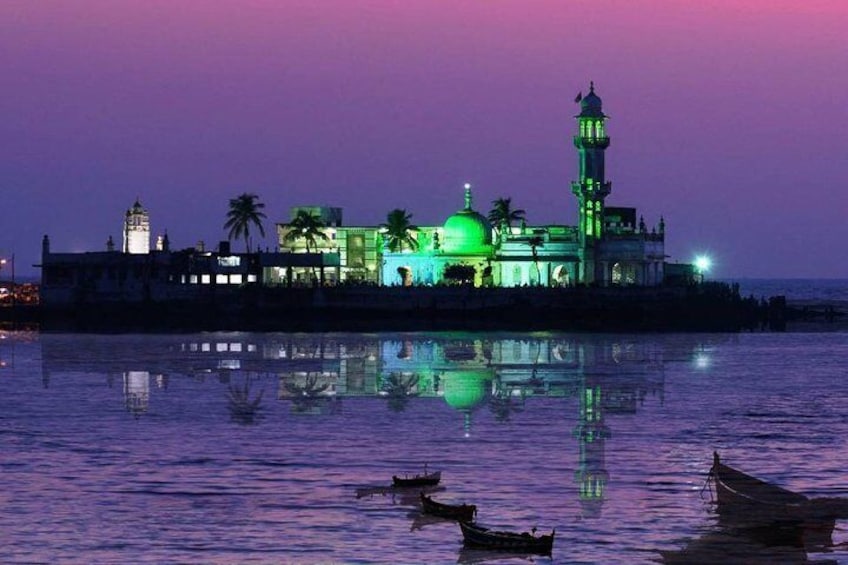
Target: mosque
(607,246)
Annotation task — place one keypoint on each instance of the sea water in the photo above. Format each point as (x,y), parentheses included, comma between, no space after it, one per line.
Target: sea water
(280,448)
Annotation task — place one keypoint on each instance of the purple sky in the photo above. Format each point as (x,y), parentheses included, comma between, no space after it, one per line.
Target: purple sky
(730,117)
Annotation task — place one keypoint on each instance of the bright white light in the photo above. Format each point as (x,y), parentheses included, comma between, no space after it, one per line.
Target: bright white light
(702,360)
(703,263)
(467,185)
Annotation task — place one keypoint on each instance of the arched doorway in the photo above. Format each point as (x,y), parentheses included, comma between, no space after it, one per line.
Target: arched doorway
(561,276)
(405,274)
(624,273)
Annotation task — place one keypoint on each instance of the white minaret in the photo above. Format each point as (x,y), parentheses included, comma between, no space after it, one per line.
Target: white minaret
(137,230)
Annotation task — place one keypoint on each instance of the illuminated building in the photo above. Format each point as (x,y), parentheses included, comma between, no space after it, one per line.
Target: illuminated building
(358,248)
(608,246)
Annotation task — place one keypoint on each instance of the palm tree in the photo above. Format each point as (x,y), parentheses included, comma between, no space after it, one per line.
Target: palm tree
(502,215)
(535,243)
(305,226)
(398,229)
(310,229)
(245,209)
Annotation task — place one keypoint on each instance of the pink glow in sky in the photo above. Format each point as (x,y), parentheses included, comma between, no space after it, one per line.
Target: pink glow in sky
(729,118)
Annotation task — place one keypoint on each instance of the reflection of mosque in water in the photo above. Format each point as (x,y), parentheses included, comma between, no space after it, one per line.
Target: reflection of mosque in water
(607,375)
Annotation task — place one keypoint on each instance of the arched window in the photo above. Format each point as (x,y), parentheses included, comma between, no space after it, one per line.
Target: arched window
(616,273)
(598,217)
(516,276)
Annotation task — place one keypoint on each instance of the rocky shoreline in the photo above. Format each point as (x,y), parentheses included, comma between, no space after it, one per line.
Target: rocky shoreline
(711,307)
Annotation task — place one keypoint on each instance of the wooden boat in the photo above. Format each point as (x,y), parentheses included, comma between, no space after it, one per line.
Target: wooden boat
(484,538)
(461,512)
(745,501)
(743,496)
(426,479)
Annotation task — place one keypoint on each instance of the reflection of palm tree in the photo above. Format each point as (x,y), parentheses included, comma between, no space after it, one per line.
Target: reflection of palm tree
(398,229)
(535,243)
(502,215)
(245,210)
(310,388)
(399,389)
(310,396)
(243,409)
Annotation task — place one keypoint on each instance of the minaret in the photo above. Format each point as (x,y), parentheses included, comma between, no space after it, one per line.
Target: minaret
(137,230)
(591,187)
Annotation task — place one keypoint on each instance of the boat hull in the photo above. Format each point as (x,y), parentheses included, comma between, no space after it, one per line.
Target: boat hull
(483,538)
(418,480)
(459,512)
(748,503)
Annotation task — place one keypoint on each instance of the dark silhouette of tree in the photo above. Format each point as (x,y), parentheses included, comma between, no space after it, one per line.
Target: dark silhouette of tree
(502,215)
(535,243)
(399,229)
(308,227)
(245,210)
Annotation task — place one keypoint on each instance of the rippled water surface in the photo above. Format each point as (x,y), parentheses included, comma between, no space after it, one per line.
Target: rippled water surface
(275,448)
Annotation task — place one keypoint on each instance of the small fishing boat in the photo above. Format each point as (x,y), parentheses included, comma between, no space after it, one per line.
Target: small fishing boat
(526,542)
(423,480)
(748,502)
(744,496)
(461,512)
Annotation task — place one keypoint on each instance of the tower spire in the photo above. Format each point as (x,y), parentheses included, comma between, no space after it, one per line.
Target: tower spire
(468,196)
(591,188)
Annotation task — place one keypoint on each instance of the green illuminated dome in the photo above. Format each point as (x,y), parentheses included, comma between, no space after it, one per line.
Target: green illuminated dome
(467,231)
(464,390)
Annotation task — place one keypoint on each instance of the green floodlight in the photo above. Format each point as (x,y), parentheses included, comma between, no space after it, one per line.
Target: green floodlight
(703,263)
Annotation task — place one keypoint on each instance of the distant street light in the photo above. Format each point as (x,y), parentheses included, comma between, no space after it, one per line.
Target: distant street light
(702,265)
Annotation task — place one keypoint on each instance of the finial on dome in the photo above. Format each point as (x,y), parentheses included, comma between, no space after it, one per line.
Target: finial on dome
(591,86)
(468,196)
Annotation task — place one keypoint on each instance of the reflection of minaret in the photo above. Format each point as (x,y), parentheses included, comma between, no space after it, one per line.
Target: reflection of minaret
(591,432)
(137,392)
